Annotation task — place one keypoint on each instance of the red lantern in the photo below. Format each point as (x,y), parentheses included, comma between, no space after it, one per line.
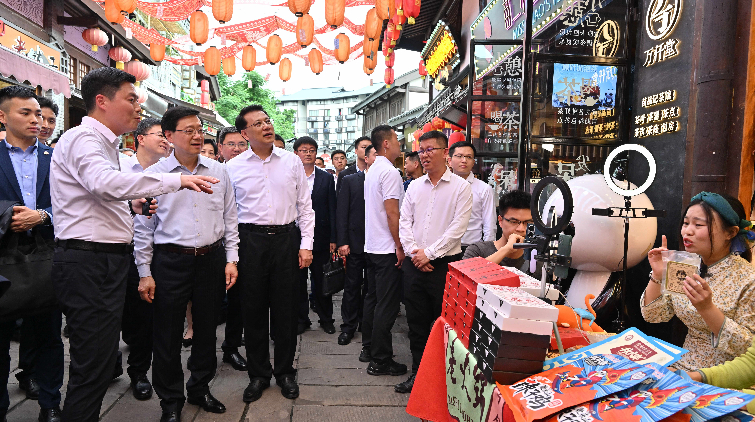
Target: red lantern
(388,77)
(94,37)
(157,52)
(204,85)
(456,137)
(142,95)
(204,99)
(249,58)
(199,27)
(428,127)
(113,12)
(398,20)
(422,69)
(385,9)
(229,65)
(212,61)
(222,10)
(372,25)
(120,55)
(387,47)
(392,34)
(411,10)
(284,70)
(334,11)
(138,69)
(390,59)
(126,6)
(370,61)
(370,47)
(417,134)
(305,30)
(367,70)
(342,47)
(438,123)
(315,61)
(273,50)
(299,7)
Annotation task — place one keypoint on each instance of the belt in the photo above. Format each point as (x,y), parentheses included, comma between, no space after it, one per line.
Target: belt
(204,250)
(85,245)
(283,228)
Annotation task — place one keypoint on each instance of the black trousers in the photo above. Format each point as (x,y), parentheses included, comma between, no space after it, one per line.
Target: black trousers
(136,328)
(381,305)
(423,299)
(323,303)
(180,278)
(269,273)
(234,324)
(91,290)
(353,299)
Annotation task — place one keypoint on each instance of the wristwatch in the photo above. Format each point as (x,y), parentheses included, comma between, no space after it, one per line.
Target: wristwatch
(236,263)
(44,217)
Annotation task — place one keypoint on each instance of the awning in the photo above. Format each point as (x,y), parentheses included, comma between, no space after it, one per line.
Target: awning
(25,69)
(450,104)
(207,115)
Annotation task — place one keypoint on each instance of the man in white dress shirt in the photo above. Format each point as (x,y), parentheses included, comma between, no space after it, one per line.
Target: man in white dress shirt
(383,191)
(94,231)
(434,217)
(272,195)
(482,223)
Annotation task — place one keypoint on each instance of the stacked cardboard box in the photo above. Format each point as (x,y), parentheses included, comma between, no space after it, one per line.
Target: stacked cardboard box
(532,285)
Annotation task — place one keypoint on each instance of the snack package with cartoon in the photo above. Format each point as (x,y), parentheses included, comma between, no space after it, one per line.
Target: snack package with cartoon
(659,396)
(737,416)
(711,403)
(593,377)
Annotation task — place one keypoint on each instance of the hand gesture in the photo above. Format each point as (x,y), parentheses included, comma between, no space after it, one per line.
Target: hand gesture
(24,219)
(400,256)
(656,260)
(513,239)
(344,251)
(699,293)
(305,258)
(231,275)
(147,289)
(137,204)
(198,183)
(419,259)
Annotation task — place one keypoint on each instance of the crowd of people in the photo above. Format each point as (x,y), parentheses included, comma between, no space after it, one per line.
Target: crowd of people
(185,227)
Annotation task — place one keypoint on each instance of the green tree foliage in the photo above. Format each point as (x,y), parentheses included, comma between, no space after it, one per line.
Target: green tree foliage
(235,95)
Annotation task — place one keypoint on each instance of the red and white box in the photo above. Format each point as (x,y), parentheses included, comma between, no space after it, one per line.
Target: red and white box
(513,302)
(532,285)
(544,328)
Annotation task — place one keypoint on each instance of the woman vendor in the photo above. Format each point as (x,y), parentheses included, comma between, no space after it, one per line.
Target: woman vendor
(719,304)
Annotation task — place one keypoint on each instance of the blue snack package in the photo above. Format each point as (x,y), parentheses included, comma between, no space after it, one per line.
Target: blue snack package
(711,403)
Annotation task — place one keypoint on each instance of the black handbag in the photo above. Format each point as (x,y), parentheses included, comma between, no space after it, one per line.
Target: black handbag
(27,262)
(334,276)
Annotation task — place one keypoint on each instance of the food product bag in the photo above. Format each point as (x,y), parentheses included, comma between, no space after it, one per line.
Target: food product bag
(711,403)
(677,265)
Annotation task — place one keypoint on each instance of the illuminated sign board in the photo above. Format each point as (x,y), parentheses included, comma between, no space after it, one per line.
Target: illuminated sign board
(660,21)
(27,46)
(441,51)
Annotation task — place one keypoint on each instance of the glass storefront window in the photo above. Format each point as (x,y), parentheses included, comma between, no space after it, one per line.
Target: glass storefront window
(495,126)
(499,173)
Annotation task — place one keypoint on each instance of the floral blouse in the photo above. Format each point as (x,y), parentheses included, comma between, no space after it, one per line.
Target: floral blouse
(732,281)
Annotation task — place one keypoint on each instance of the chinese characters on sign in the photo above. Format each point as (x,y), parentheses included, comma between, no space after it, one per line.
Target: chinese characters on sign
(505,129)
(27,46)
(508,75)
(660,21)
(661,52)
(657,122)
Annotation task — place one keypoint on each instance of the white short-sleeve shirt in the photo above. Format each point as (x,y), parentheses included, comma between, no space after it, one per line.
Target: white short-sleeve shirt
(382,182)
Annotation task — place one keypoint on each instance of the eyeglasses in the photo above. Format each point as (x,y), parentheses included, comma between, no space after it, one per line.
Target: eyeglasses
(259,124)
(428,150)
(516,222)
(463,157)
(191,131)
(307,151)
(231,145)
(160,134)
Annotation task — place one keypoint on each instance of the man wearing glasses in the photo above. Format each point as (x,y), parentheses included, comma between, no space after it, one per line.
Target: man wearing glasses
(513,216)
(272,195)
(231,143)
(482,222)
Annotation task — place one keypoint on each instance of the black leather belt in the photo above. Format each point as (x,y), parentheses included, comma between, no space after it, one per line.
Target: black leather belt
(204,250)
(283,228)
(84,245)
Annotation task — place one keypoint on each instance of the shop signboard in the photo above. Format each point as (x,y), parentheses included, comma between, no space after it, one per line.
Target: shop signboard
(24,45)
(441,55)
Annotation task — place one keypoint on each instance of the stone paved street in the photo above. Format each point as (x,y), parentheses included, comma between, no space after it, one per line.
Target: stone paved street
(334,386)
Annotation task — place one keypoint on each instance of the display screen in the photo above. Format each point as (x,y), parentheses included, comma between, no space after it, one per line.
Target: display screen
(591,86)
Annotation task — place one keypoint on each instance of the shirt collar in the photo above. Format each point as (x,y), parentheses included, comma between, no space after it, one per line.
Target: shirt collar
(276,151)
(446,176)
(32,147)
(172,161)
(99,127)
(133,161)
(470,177)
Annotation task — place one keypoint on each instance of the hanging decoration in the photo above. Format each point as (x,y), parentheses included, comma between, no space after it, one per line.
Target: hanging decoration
(388,77)
(438,123)
(138,69)
(456,137)
(390,59)
(299,7)
(371,61)
(141,95)
(372,25)
(315,61)
(113,12)
(342,47)
(94,37)
(229,66)
(422,69)
(367,70)
(387,47)
(284,70)
(199,27)
(385,9)
(120,55)
(305,30)
(126,7)
(273,50)
(249,58)
(157,52)
(428,127)
(212,61)
(411,10)
(222,10)
(334,11)
(398,21)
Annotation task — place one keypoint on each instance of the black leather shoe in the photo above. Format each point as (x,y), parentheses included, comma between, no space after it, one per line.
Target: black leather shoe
(345,338)
(236,360)
(288,385)
(50,415)
(328,327)
(406,386)
(390,367)
(208,403)
(171,417)
(31,387)
(254,390)
(365,356)
(141,387)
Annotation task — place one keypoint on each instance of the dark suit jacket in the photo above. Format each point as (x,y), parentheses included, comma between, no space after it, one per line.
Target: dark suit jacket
(10,190)
(352,169)
(324,206)
(350,215)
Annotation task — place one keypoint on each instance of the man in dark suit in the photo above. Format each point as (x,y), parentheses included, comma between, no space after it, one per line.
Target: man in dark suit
(24,177)
(359,147)
(323,191)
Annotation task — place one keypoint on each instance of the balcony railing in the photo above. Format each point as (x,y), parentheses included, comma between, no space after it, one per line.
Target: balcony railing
(339,117)
(312,130)
(312,118)
(351,116)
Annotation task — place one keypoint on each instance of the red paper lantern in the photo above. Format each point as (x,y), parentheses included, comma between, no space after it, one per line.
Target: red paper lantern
(438,123)
(372,25)
(204,99)
(157,52)
(385,9)
(390,59)
(398,20)
(411,10)
(126,6)
(273,50)
(284,70)
(416,134)
(387,47)
(305,30)
(315,61)
(388,76)
(138,69)
(392,33)
(229,65)
(249,58)
(120,55)
(199,27)
(342,47)
(141,94)
(367,70)
(113,12)
(428,127)
(456,137)
(370,61)
(422,69)
(212,61)
(222,10)
(299,7)
(94,37)
(370,47)
(204,85)
(334,11)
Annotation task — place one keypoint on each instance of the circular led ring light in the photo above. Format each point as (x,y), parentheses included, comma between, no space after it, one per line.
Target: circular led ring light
(607,169)
(561,223)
